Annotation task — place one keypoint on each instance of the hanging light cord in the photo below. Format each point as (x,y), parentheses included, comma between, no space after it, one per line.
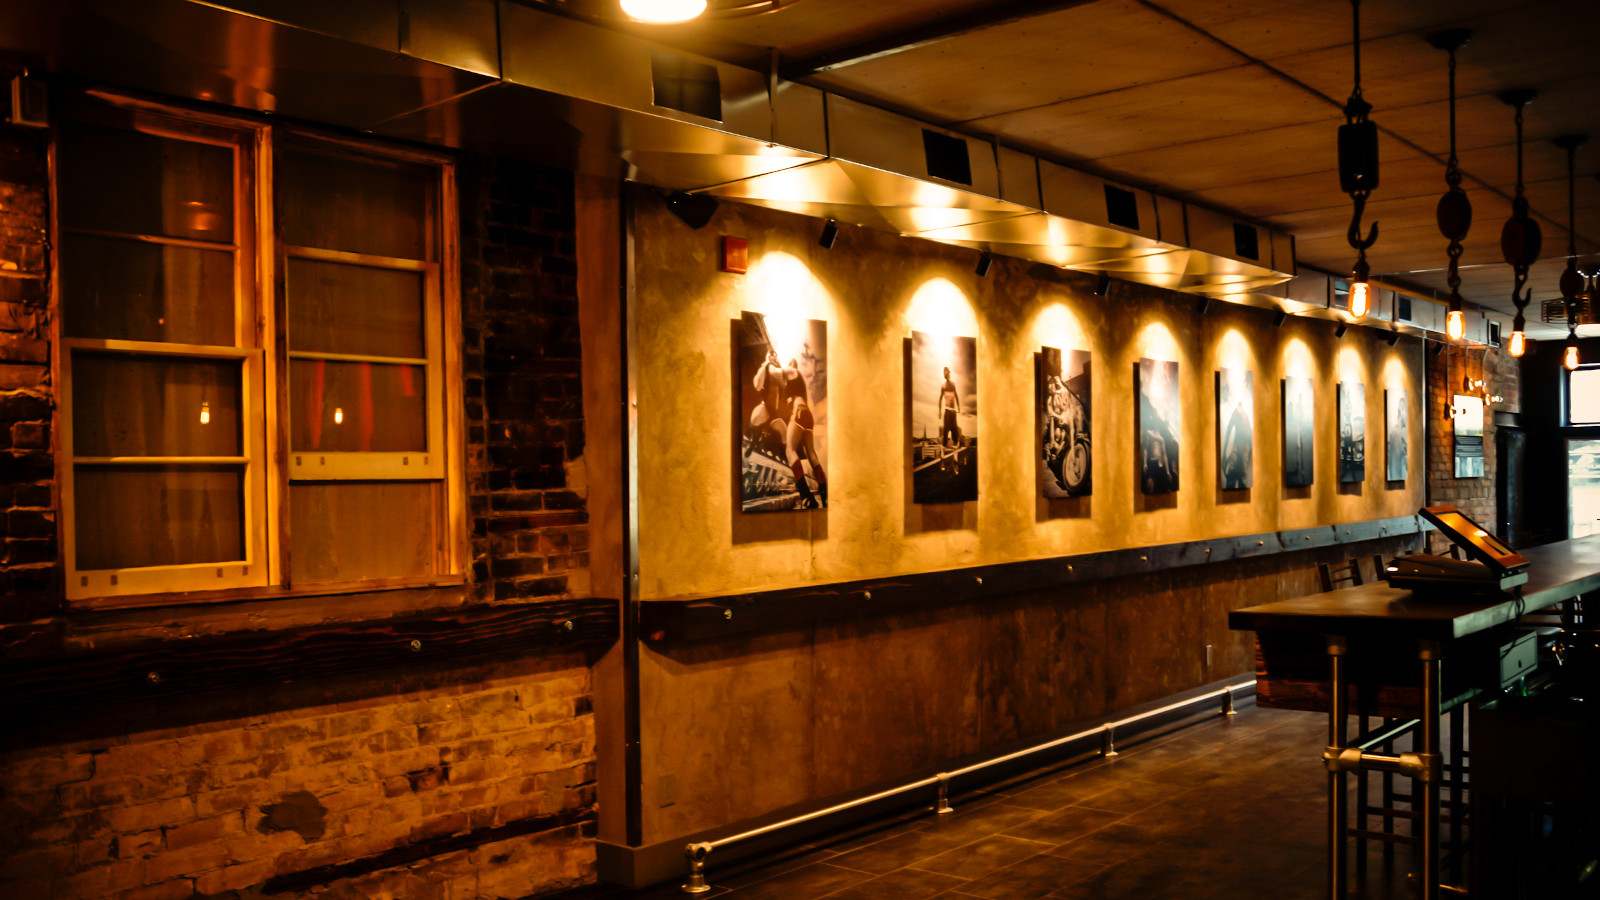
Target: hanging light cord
(1519,210)
(1572,239)
(1356,109)
(1452,177)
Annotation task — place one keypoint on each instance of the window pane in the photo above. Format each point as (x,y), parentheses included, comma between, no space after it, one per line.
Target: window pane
(357,407)
(351,530)
(124,405)
(1585,387)
(131,516)
(339,308)
(146,292)
(357,205)
(129,181)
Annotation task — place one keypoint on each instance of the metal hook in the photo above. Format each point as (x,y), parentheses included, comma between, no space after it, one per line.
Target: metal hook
(1357,242)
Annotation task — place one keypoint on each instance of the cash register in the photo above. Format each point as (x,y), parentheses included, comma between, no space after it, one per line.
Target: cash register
(1480,564)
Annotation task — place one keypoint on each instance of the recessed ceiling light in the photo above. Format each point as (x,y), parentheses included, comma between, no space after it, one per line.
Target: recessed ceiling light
(663,12)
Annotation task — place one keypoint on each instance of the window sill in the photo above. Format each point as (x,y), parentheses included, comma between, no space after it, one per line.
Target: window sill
(263,594)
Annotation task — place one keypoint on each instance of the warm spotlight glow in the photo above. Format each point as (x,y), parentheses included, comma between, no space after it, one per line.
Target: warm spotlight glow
(939,307)
(1570,357)
(1455,324)
(338,415)
(663,12)
(1517,344)
(1360,300)
(205,414)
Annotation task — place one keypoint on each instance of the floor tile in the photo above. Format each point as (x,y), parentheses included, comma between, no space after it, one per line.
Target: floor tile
(981,857)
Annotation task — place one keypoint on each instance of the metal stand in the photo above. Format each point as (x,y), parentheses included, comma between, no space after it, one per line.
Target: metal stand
(1427,778)
(696,884)
(1108,742)
(1336,770)
(942,805)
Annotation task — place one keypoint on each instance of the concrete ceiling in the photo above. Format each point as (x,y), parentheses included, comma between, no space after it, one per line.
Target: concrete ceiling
(1235,103)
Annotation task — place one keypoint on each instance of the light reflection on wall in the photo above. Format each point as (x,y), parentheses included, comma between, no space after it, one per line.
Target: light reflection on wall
(1297,359)
(1057,326)
(1155,341)
(1234,351)
(1350,366)
(939,307)
(783,289)
(1395,376)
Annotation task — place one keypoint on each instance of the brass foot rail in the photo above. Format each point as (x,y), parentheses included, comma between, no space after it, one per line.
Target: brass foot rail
(698,852)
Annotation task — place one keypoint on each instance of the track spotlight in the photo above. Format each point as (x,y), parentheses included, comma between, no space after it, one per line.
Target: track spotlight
(1102,285)
(1340,329)
(830,233)
(693,210)
(1393,338)
(1205,306)
(985,260)
(1279,318)
(1436,347)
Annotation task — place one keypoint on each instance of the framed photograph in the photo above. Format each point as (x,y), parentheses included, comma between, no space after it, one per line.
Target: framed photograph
(1299,431)
(1235,429)
(1395,442)
(1466,415)
(782,385)
(1352,432)
(1064,415)
(944,418)
(1160,422)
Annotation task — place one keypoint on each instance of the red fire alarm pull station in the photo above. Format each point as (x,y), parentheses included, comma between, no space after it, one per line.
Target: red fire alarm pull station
(735,254)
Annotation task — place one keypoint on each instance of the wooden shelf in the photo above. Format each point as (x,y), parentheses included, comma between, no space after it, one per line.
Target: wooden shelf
(703,617)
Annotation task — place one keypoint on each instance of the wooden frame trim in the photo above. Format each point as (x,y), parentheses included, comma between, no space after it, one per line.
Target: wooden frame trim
(697,618)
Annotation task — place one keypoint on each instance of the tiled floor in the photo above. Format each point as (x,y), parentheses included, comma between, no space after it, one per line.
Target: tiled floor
(1229,808)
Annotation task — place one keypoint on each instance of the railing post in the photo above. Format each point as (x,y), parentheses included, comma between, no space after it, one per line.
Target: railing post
(1108,742)
(942,806)
(1227,702)
(696,884)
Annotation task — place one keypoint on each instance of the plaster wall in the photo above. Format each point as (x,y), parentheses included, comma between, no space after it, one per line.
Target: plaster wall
(873,289)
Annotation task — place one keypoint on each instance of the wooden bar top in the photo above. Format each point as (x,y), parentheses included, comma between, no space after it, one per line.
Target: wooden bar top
(1556,572)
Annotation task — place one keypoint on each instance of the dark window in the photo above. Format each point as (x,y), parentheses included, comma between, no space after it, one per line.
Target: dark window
(1122,207)
(947,157)
(1246,243)
(1403,308)
(686,86)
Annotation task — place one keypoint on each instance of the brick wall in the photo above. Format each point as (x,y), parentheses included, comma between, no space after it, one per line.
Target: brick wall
(466,784)
(29,580)
(477,782)
(1446,370)
(524,389)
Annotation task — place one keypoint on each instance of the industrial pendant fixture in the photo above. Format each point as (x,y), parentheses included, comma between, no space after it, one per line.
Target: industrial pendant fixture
(1454,212)
(1358,173)
(1520,239)
(1572,281)
(663,12)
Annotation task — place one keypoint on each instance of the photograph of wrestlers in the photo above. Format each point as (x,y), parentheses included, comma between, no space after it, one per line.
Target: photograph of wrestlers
(1395,462)
(944,418)
(1299,431)
(1160,422)
(1063,410)
(1235,429)
(1352,432)
(782,385)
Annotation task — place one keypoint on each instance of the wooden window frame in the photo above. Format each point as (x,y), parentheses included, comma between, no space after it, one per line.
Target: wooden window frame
(262,351)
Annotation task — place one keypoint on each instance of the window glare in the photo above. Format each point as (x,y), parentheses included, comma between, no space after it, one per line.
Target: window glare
(1584,391)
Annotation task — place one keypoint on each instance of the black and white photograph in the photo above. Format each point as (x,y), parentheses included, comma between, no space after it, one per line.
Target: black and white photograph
(783,413)
(1160,423)
(1235,429)
(1299,431)
(944,418)
(1064,410)
(1352,432)
(1395,448)
(1466,417)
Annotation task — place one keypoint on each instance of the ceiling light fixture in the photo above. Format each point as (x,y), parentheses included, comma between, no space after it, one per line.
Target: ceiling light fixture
(663,12)
(1454,212)
(1520,238)
(1572,281)
(1358,173)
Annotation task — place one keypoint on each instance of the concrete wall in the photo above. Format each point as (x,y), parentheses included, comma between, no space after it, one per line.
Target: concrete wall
(735,729)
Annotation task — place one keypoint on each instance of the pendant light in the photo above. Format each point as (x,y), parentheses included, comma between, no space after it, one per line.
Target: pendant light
(1572,281)
(1520,238)
(1358,173)
(1454,212)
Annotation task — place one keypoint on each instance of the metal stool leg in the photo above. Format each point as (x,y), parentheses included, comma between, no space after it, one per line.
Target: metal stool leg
(1457,807)
(1388,807)
(1362,806)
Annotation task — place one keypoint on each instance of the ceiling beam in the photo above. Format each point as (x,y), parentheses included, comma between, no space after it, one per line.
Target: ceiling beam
(932,31)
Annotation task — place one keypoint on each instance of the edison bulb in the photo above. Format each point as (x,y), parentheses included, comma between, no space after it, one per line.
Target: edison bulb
(1360,300)
(1570,358)
(205,414)
(663,12)
(1455,324)
(338,415)
(1518,344)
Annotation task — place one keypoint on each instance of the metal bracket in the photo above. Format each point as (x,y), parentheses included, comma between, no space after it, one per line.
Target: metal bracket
(697,853)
